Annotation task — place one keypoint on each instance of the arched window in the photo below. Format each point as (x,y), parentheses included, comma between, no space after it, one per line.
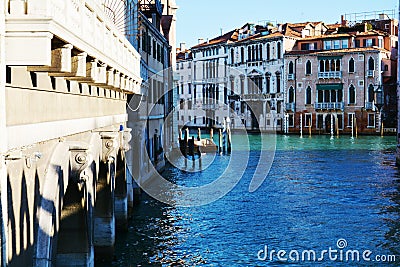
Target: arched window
(260,52)
(327,66)
(233,56)
(242,54)
(278,82)
(321,66)
(253,54)
(257,54)
(291,95)
(249,54)
(337,65)
(352,95)
(340,96)
(308,67)
(291,67)
(351,65)
(308,96)
(371,64)
(370,93)
(268,52)
(268,83)
(278,52)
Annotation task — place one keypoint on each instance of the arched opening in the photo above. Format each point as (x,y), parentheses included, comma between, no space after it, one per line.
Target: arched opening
(308,67)
(370,93)
(329,123)
(278,50)
(351,65)
(371,64)
(352,95)
(308,96)
(291,67)
(291,95)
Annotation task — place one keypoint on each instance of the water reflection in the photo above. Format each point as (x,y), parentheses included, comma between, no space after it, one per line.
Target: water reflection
(393,221)
(318,191)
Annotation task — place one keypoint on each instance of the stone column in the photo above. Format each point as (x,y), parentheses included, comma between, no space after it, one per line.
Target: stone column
(104,211)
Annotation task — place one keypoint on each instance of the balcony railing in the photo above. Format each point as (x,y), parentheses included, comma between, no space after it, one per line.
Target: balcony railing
(369,105)
(330,75)
(370,73)
(290,76)
(329,106)
(291,107)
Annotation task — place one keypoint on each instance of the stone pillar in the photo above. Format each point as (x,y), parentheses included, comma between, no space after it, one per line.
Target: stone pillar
(104,220)
(104,212)
(74,241)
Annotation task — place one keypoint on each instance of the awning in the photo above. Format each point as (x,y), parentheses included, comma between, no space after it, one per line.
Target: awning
(330,86)
(329,57)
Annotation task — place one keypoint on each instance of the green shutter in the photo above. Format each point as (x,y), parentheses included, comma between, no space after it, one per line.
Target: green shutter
(329,57)
(330,86)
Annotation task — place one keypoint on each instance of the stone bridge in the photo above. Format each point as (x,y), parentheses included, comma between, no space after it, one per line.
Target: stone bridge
(67,72)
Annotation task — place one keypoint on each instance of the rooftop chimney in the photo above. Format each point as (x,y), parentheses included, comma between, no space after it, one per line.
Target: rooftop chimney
(201,40)
(182,47)
(343,21)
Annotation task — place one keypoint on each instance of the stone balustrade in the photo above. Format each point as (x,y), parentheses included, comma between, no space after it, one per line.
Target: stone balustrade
(92,45)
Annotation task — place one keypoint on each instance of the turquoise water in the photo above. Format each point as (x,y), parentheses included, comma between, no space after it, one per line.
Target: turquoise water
(318,191)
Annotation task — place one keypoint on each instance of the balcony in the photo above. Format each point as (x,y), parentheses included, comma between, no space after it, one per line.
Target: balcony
(369,106)
(330,75)
(72,38)
(329,106)
(210,106)
(291,107)
(290,77)
(370,73)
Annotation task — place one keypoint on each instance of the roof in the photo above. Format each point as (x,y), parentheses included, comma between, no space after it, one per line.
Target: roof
(229,37)
(182,55)
(336,51)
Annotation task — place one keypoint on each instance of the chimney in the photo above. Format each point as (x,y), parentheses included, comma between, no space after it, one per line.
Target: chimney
(201,40)
(182,47)
(343,21)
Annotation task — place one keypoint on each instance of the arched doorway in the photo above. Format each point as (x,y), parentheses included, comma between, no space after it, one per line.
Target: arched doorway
(329,123)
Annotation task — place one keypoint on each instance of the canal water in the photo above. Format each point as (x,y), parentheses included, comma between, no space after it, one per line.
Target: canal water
(321,194)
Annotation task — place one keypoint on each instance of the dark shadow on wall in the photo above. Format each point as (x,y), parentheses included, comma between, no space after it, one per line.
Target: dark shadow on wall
(22,239)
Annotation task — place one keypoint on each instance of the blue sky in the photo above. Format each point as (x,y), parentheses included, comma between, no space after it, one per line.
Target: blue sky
(205,18)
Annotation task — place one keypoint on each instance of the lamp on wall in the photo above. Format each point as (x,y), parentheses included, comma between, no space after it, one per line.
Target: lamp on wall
(379,98)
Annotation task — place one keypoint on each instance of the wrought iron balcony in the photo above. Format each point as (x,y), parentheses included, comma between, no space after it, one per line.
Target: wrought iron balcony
(329,106)
(330,75)
(369,105)
(291,107)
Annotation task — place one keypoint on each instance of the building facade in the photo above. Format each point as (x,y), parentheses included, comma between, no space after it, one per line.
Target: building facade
(331,80)
(149,110)
(294,77)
